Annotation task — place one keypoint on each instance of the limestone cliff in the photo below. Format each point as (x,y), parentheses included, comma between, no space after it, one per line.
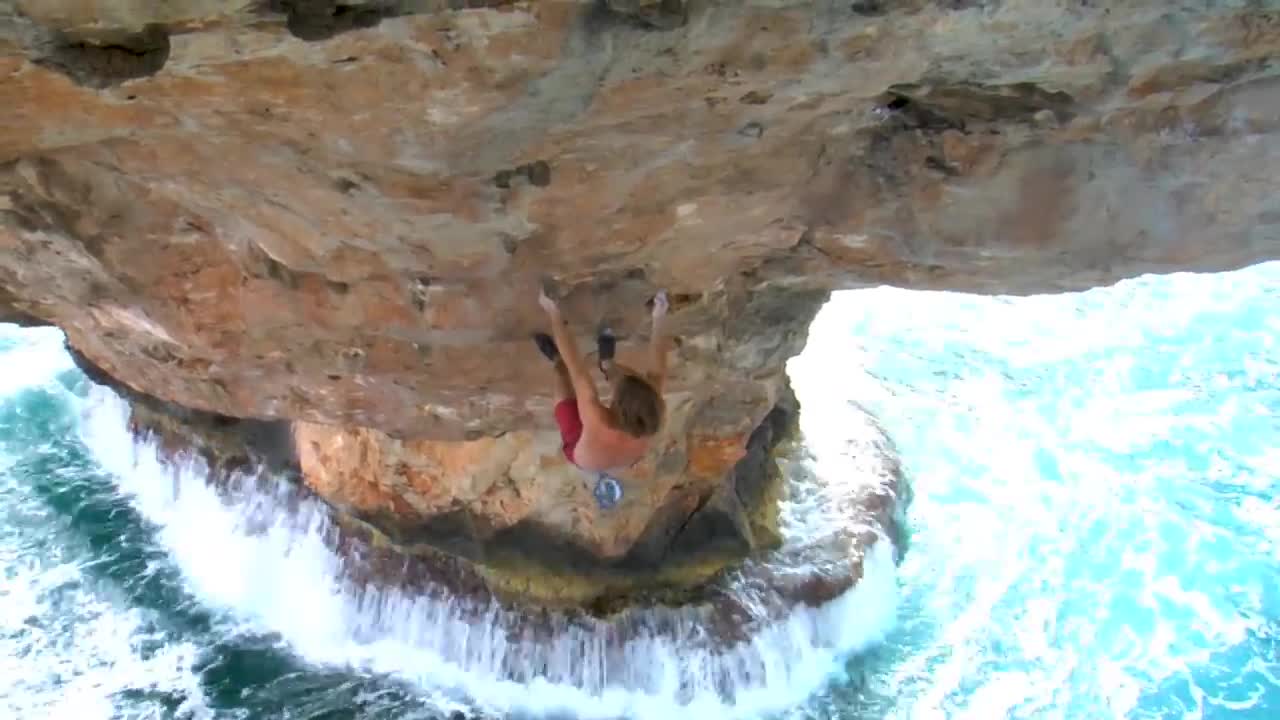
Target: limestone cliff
(334,216)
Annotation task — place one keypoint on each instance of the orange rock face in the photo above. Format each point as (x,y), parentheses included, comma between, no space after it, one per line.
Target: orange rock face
(337,214)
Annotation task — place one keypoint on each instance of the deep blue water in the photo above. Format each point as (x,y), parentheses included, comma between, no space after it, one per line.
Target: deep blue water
(1094,533)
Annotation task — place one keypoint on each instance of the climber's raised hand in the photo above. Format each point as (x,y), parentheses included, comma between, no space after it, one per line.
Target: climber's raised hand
(547,302)
(659,342)
(660,304)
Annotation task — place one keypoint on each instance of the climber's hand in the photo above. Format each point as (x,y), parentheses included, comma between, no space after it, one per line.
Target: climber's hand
(547,302)
(660,304)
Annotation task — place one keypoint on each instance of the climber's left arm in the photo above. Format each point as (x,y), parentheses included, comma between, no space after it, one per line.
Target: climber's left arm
(659,342)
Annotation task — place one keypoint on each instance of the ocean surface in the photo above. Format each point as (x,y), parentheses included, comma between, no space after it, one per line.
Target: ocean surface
(1094,533)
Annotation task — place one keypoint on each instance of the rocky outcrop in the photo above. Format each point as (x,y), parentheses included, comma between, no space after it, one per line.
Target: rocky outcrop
(511,505)
(336,215)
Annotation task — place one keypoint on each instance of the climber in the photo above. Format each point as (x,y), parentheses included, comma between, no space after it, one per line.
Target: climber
(597,437)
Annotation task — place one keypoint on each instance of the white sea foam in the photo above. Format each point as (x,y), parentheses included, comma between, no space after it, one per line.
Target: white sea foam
(1094,523)
(32,356)
(274,569)
(68,646)
(66,652)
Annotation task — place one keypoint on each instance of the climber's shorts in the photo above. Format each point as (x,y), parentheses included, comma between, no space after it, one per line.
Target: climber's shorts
(570,423)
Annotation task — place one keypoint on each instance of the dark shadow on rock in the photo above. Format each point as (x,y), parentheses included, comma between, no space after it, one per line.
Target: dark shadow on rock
(948,105)
(314,20)
(317,20)
(21,319)
(885,158)
(102,64)
(646,14)
(869,8)
(718,528)
(756,479)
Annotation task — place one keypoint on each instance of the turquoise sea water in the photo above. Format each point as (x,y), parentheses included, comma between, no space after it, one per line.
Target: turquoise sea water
(1096,529)
(1094,533)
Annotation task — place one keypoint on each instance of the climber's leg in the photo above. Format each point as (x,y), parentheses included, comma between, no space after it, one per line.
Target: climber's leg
(567,417)
(566,408)
(564,386)
(547,346)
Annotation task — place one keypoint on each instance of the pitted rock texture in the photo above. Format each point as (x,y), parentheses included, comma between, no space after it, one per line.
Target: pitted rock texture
(337,214)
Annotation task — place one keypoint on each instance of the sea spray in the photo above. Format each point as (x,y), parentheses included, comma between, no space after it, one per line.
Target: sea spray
(241,551)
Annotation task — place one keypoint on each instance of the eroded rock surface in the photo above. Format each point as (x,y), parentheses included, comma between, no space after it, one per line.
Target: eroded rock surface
(336,214)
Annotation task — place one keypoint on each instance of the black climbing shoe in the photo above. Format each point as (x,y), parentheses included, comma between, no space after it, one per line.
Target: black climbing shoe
(546,346)
(606,346)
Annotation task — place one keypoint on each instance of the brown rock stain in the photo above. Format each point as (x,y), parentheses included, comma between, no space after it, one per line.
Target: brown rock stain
(712,457)
(1085,48)
(969,154)
(1254,33)
(767,40)
(864,43)
(1045,200)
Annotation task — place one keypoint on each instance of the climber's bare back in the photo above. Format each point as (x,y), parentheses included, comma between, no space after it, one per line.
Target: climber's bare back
(603,447)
